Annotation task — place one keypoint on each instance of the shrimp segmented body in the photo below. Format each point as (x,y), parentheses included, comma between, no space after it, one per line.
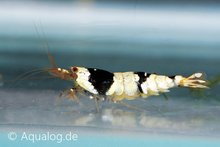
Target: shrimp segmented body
(102,84)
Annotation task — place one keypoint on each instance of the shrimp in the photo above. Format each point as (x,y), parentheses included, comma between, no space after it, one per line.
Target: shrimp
(117,86)
(99,84)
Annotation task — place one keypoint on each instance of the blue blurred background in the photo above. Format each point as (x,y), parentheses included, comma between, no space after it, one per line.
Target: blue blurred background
(167,37)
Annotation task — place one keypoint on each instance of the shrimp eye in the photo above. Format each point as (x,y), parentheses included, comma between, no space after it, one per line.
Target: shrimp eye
(74,69)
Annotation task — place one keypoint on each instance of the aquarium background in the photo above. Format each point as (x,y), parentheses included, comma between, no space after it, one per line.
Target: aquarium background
(153,36)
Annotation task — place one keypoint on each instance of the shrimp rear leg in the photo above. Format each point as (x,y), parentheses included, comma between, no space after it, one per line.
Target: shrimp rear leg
(96,104)
(97,99)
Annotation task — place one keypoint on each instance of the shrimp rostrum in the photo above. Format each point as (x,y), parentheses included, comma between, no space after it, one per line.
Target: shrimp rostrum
(102,84)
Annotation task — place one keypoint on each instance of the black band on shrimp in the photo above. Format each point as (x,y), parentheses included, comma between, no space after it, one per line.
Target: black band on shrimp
(143,76)
(100,79)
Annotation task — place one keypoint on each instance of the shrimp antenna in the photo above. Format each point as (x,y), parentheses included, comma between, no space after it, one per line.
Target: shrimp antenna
(46,45)
(29,74)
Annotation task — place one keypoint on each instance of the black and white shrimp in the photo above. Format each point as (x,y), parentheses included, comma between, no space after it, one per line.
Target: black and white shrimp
(117,86)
